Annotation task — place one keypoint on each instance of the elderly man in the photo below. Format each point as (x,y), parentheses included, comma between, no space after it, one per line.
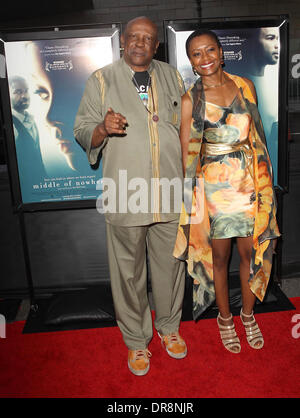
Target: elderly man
(130,112)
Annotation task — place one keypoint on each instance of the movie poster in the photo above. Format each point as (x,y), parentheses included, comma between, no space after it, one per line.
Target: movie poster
(46,81)
(249,52)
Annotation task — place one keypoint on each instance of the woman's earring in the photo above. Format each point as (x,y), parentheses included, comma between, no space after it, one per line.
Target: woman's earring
(194,71)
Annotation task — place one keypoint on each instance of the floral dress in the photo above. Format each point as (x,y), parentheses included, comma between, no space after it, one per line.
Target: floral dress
(228,177)
(226,195)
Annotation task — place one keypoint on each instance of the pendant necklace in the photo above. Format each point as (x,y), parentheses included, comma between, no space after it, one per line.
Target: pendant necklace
(155,117)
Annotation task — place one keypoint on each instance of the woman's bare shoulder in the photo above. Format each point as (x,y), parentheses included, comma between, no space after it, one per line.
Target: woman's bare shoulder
(186,100)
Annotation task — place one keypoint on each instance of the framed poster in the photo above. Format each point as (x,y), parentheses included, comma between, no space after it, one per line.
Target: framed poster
(257,50)
(46,73)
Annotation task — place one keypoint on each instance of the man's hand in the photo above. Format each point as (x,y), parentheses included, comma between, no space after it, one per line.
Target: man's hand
(113,124)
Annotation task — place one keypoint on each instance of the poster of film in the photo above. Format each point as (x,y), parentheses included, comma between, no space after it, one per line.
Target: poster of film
(46,80)
(250,52)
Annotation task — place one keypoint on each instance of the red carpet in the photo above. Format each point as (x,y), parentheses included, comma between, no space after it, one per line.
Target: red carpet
(93,363)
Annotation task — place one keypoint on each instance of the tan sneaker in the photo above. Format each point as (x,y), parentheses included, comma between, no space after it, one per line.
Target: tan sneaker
(138,361)
(174,345)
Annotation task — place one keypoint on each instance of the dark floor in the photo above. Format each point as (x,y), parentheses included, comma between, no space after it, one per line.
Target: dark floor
(290,287)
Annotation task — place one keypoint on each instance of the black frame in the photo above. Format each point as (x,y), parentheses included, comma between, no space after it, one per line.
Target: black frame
(40,33)
(282,22)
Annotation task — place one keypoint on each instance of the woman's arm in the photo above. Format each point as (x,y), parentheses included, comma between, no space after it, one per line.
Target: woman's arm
(185,127)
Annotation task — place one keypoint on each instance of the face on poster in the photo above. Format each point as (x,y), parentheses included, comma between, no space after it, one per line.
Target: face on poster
(250,52)
(46,82)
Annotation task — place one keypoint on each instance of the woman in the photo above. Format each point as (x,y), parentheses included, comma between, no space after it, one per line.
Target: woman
(225,155)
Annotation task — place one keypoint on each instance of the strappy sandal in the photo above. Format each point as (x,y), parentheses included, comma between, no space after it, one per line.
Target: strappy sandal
(253,333)
(229,336)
